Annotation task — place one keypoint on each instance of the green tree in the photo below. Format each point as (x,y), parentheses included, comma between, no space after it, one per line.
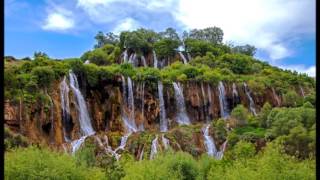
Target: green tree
(264,113)
(240,113)
(44,76)
(291,99)
(211,34)
(246,49)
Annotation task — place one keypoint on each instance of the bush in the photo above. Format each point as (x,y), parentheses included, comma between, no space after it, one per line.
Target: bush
(178,165)
(291,99)
(44,75)
(34,163)
(240,113)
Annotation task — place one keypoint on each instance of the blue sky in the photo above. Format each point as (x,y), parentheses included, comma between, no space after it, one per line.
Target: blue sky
(282,30)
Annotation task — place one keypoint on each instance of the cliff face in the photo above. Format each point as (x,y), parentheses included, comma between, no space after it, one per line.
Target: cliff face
(106,103)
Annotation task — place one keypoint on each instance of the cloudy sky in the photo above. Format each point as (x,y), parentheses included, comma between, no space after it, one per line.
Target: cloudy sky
(282,30)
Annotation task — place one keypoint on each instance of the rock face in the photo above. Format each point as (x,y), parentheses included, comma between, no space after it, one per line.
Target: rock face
(44,123)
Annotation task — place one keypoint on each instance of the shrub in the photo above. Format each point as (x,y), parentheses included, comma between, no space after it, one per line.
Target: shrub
(44,75)
(34,163)
(240,113)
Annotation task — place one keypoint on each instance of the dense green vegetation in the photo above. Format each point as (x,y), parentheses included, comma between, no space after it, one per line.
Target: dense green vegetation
(278,143)
(242,161)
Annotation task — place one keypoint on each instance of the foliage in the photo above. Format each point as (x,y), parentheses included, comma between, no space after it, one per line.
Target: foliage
(44,75)
(103,39)
(213,35)
(13,140)
(240,113)
(166,47)
(291,99)
(246,49)
(35,163)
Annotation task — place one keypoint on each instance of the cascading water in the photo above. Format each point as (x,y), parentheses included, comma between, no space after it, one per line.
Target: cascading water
(132,59)
(235,95)
(209,142)
(182,117)
(124,89)
(165,142)
(302,91)
(143,59)
(155,59)
(251,102)
(64,95)
(223,103)
(51,119)
(209,98)
(131,105)
(123,142)
(163,119)
(234,90)
(87,62)
(154,146)
(125,56)
(204,103)
(77,143)
(276,96)
(220,153)
(185,61)
(141,127)
(84,119)
(141,154)
(189,56)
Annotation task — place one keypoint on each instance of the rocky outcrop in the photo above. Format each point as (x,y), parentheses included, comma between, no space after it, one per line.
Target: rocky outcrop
(43,122)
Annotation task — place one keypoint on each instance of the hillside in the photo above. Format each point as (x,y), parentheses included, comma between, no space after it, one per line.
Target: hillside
(188,103)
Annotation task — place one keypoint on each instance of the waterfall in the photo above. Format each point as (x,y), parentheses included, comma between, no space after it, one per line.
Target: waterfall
(64,95)
(189,56)
(206,114)
(223,103)
(220,153)
(87,62)
(109,149)
(163,119)
(183,58)
(275,96)
(251,102)
(165,142)
(154,147)
(302,91)
(144,61)
(155,60)
(77,143)
(123,142)
(125,56)
(234,90)
(209,142)
(141,154)
(141,127)
(84,119)
(51,119)
(65,149)
(132,59)
(209,98)
(124,89)
(131,105)
(235,95)
(182,117)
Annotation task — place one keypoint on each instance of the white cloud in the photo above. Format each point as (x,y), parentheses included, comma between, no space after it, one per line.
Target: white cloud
(58,18)
(270,25)
(126,24)
(311,71)
(58,22)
